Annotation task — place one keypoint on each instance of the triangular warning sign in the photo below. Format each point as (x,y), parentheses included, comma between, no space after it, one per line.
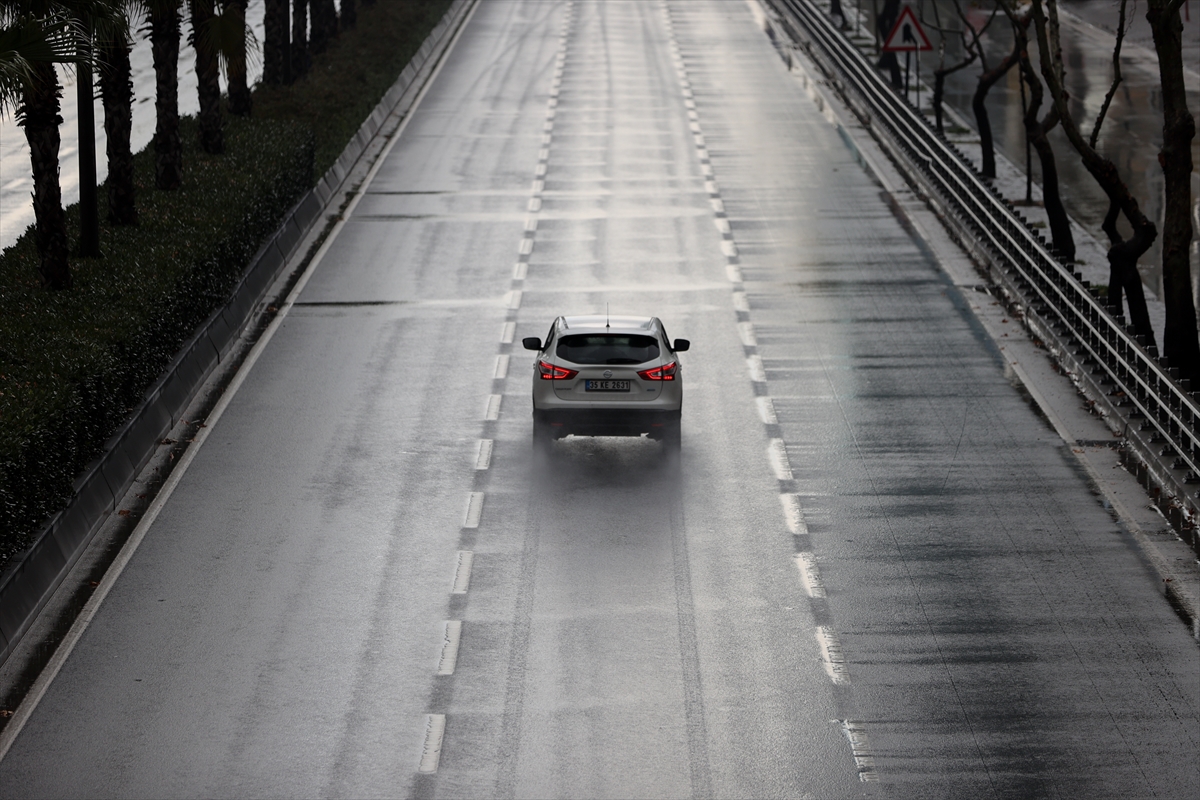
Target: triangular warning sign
(907,34)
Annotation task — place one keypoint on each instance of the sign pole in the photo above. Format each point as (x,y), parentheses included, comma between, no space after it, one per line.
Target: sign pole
(907,59)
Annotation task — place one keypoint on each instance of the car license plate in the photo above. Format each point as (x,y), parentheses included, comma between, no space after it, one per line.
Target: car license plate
(606,386)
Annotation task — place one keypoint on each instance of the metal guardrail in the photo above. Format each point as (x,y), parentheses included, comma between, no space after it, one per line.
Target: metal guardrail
(1143,389)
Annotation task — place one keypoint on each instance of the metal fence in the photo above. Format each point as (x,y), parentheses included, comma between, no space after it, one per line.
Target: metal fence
(1137,384)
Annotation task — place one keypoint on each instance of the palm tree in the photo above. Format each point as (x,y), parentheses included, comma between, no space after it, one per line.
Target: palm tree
(116,91)
(276,62)
(233,53)
(208,87)
(33,37)
(164,47)
(299,47)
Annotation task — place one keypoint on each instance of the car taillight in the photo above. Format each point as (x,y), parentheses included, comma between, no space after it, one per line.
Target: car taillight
(664,373)
(549,372)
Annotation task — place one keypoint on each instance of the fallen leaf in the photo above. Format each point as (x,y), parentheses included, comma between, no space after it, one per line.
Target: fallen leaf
(124,512)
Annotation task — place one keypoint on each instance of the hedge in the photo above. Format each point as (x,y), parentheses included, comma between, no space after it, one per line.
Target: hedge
(74,363)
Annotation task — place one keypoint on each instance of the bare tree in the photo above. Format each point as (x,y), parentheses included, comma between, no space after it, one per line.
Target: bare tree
(1123,254)
(942,71)
(1180,343)
(987,79)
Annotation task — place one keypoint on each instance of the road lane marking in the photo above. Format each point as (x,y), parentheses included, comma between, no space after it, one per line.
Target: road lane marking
(521,269)
(860,748)
(718,205)
(514,297)
(507,332)
(451,634)
(746,331)
(727,247)
(474,510)
(492,412)
(535,204)
(526,247)
(777,455)
(740,303)
(501,370)
(431,750)
(483,457)
(793,515)
(734,273)
(722,225)
(462,572)
(810,576)
(754,363)
(766,410)
(832,657)
(46,677)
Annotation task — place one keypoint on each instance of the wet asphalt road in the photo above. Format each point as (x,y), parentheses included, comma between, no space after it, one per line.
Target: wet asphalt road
(875,571)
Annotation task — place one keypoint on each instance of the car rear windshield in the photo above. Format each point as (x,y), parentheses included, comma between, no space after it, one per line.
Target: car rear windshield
(604,348)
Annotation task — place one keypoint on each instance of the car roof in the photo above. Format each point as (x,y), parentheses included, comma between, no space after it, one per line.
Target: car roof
(616,324)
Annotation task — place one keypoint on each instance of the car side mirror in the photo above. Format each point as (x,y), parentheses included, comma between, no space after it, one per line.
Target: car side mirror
(531,343)
(681,345)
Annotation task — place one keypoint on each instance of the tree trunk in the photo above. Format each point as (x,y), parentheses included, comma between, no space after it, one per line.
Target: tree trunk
(276,62)
(1180,343)
(884,21)
(1036,131)
(300,56)
(164,45)
(986,81)
(39,116)
(208,86)
(1122,254)
(324,25)
(239,92)
(349,16)
(116,90)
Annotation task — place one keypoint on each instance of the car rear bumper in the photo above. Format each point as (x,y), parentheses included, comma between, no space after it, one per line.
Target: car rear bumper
(606,421)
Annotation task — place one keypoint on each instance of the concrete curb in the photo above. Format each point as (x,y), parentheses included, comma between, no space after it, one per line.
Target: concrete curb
(31,578)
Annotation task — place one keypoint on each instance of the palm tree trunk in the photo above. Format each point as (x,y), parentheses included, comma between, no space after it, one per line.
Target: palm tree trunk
(164,44)
(208,86)
(276,60)
(300,57)
(349,16)
(239,92)
(116,90)
(39,116)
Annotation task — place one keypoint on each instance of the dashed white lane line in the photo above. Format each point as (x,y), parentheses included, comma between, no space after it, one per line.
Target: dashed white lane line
(766,410)
(777,455)
(718,205)
(520,270)
(492,412)
(526,247)
(727,247)
(514,297)
(754,363)
(474,510)
(483,456)
(431,750)
(860,747)
(746,331)
(501,370)
(832,657)
(451,634)
(740,303)
(810,576)
(722,225)
(734,273)
(507,332)
(535,204)
(462,572)
(793,515)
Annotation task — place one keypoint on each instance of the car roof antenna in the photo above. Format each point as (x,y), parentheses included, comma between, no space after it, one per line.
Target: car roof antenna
(606,325)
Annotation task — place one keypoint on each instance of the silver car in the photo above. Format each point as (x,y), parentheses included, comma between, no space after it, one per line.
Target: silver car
(601,376)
